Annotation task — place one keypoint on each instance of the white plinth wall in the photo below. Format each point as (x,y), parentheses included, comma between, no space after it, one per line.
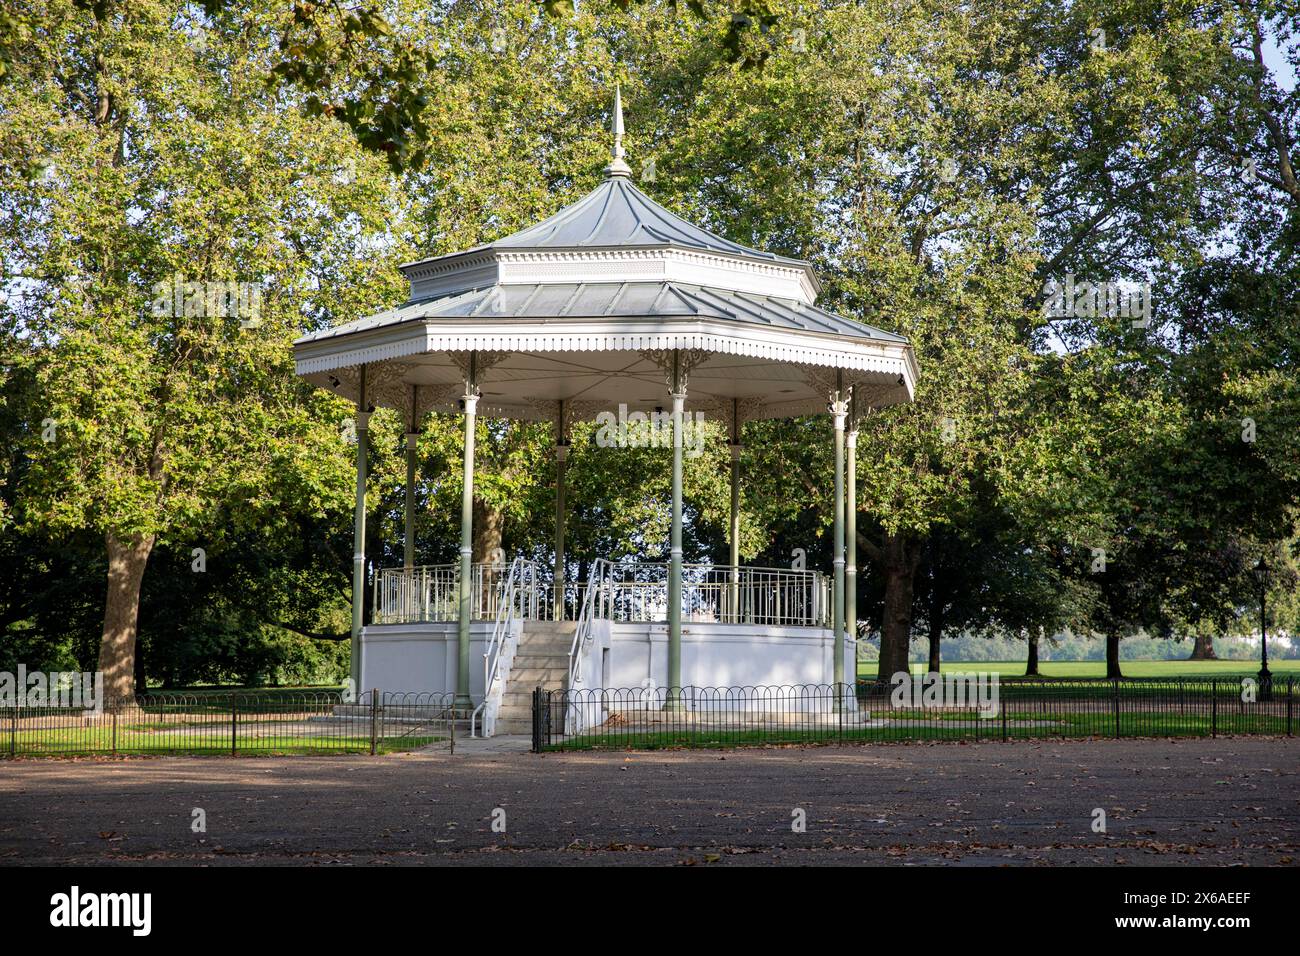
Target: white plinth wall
(422,657)
(626,655)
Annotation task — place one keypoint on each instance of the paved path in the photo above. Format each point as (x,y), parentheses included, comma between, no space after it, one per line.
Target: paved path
(1166,802)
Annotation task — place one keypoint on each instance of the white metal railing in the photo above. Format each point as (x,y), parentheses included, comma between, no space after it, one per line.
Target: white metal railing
(597,581)
(715,594)
(518,601)
(431,593)
(718,594)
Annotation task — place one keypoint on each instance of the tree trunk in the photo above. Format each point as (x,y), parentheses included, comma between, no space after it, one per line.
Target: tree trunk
(896,624)
(1031,664)
(1203,647)
(488,526)
(1112,656)
(936,635)
(126,563)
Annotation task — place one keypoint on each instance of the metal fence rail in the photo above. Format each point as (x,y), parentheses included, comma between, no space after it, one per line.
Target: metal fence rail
(640,718)
(231,723)
(431,593)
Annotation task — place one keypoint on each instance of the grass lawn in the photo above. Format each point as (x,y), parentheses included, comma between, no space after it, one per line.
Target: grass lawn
(900,730)
(1280,669)
(100,741)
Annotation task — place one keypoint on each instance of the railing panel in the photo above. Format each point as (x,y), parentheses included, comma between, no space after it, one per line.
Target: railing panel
(638,593)
(431,594)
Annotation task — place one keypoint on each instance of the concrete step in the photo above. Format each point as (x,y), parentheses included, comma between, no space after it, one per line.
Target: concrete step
(542,658)
(547,667)
(547,632)
(524,684)
(551,627)
(544,646)
(521,694)
(514,726)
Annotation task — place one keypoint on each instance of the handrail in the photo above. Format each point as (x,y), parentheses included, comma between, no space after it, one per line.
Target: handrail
(497,657)
(601,568)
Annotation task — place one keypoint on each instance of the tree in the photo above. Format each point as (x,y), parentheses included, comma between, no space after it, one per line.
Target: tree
(165,258)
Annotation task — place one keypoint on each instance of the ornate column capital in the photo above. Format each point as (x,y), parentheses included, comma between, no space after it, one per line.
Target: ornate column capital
(676,365)
(472,365)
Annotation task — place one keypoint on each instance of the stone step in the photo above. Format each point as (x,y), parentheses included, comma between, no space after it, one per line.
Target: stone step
(546,633)
(545,645)
(514,726)
(565,627)
(542,657)
(525,684)
(522,693)
(521,664)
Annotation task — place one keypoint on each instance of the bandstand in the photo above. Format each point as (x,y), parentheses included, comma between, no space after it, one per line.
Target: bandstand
(612,303)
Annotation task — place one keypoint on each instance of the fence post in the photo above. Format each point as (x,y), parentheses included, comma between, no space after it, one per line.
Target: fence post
(537,720)
(1214,708)
(13,730)
(374,718)
(1290,698)
(234,723)
(1002,706)
(1116,708)
(114,743)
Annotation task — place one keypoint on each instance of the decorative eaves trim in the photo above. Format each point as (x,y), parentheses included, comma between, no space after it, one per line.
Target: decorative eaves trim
(776,345)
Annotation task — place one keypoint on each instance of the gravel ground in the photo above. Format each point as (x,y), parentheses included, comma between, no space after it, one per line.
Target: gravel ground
(1166,802)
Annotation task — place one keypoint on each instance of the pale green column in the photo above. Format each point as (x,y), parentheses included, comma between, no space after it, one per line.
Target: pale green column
(735,511)
(408,541)
(412,437)
(839,409)
(678,392)
(465,590)
(359,533)
(561,467)
(851,534)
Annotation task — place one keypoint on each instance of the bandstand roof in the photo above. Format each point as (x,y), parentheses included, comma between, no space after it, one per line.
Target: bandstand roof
(583,307)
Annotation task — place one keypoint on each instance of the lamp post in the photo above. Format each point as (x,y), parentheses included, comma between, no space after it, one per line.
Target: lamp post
(1262,572)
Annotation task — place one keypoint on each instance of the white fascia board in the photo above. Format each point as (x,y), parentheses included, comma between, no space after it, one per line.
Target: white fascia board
(446,275)
(659,264)
(711,335)
(485,266)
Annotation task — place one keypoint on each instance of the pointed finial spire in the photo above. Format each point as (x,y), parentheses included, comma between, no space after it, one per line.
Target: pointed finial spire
(617,166)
